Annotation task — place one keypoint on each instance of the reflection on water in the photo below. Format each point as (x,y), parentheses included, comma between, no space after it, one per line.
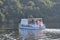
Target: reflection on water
(14,35)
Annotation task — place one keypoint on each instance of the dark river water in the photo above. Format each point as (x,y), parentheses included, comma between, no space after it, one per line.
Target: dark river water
(14,35)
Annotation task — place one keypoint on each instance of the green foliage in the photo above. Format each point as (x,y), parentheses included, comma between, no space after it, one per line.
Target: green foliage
(31,3)
(12,11)
(48,3)
(3,16)
(18,4)
(1,2)
(31,6)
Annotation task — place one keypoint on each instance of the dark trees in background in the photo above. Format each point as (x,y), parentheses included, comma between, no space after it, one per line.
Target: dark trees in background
(11,11)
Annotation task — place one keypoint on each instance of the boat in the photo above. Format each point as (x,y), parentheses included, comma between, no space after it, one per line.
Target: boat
(31,26)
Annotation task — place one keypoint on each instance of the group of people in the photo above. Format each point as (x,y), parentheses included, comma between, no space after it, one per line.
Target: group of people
(38,22)
(32,21)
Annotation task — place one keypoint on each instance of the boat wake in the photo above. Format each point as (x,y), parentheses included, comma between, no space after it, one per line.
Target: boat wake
(53,30)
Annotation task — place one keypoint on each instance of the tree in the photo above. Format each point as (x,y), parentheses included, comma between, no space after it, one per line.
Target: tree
(47,3)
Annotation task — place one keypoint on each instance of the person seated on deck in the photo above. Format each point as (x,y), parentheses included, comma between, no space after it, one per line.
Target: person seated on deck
(40,23)
(31,22)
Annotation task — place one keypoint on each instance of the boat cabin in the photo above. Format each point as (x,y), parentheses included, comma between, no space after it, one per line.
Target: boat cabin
(31,22)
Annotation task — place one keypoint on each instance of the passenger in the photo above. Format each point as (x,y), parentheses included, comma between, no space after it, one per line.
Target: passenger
(40,23)
(31,22)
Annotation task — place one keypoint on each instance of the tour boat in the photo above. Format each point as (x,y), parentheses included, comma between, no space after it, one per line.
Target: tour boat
(31,26)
